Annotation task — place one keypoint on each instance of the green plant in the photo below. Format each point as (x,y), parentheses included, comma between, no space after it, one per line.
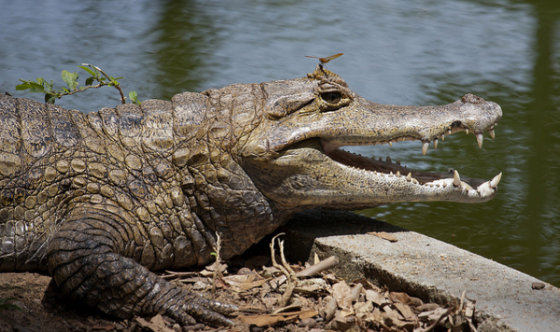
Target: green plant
(5,305)
(41,85)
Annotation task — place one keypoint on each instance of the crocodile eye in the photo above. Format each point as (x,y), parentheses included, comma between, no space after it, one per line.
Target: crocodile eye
(331,97)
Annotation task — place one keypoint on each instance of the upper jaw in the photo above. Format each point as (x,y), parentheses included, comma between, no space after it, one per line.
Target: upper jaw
(477,116)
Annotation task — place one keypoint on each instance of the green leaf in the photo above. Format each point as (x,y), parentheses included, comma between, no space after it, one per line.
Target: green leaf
(33,86)
(89,81)
(48,86)
(70,78)
(113,80)
(49,98)
(91,72)
(134,97)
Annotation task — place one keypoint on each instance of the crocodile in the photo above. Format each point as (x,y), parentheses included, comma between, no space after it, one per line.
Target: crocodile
(102,200)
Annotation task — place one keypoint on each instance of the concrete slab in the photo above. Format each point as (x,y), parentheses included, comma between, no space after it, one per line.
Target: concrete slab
(427,268)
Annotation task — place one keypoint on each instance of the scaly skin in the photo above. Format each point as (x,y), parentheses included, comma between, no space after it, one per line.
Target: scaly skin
(101,199)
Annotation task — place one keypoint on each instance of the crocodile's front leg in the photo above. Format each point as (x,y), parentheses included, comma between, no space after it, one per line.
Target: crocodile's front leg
(85,258)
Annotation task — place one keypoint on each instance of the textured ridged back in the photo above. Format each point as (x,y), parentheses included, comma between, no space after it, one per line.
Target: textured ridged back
(43,148)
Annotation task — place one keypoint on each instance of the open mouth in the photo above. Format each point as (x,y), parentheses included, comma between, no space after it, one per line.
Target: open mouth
(394,169)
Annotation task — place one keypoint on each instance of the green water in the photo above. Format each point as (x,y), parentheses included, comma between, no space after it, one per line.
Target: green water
(398,52)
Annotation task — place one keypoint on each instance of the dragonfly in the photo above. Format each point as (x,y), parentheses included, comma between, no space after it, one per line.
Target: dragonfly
(325,60)
(322,61)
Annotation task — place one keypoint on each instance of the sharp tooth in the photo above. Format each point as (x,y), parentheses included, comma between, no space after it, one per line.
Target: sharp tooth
(444,184)
(496,180)
(398,173)
(467,131)
(492,133)
(388,159)
(449,132)
(391,143)
(398,162)
(443,137)
(479,140)
(425,147)
(409,177)
(456,179)
(435,143)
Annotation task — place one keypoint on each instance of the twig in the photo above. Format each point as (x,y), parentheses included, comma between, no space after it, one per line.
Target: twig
(286,270)
(218,263)
(436,322)
(175,275)
(112,81)
(319,267)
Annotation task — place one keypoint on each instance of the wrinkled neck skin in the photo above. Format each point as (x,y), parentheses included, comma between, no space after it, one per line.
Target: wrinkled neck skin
(261,152)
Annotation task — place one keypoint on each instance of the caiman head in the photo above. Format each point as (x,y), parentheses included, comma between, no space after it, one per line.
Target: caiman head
(293,156)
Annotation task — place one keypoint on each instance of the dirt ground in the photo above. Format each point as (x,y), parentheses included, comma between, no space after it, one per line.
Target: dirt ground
(258,291)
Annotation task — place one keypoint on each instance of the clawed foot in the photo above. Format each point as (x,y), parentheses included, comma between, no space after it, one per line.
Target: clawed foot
(199,309)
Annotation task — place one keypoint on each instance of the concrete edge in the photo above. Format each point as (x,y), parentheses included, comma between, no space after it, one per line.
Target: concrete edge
(425,267)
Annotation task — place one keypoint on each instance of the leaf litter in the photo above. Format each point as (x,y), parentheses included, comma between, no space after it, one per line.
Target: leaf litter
(276,296)
(318,301)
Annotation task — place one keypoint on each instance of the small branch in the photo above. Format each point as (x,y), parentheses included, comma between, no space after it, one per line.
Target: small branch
(319,267)
(286,270)
(217,265)
(113,83)
(429,328)
(101,84)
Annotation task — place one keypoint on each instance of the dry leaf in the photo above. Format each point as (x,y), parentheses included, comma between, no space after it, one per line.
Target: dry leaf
(242,283)
(432,315)
(271,319)
(343,295)
(405,310)
(308,314)
(393,318)
(384,236)
(400,297)
(363,309)
(329,309)
(376,297)
(261,320)
(428,307)
(156,324)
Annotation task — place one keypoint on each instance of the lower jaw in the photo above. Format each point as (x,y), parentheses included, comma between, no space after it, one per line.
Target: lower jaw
(389,167)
